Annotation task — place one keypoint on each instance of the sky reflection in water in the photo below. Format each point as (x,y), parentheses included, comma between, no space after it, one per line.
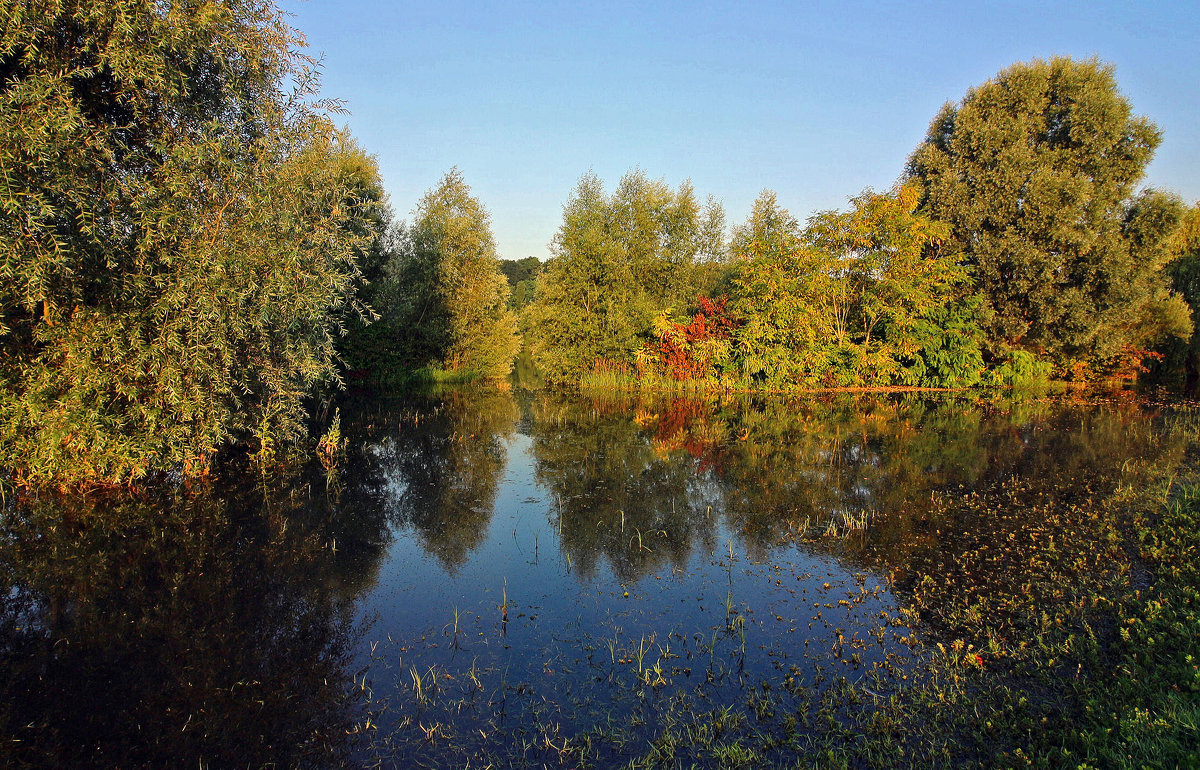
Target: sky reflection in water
(730,543)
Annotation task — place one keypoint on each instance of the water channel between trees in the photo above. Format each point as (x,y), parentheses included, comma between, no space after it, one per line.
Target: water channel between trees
(529,578)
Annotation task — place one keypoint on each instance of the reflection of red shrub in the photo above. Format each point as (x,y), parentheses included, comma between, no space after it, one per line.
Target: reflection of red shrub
(687,424)
(677,417)
(681,349)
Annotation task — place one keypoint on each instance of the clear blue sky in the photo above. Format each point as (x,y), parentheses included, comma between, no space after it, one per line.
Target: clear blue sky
(813,100)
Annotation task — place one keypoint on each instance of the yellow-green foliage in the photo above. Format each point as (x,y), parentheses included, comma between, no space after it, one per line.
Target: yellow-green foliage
(618,261)
(449,302)
(850,301)
(1035,172)
(178,238)
(770,227)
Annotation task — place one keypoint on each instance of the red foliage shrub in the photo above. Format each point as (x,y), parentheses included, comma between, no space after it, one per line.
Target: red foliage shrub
(679,347)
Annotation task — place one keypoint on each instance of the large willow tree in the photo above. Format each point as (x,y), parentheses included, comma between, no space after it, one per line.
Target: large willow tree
(179,229)
(1035,171)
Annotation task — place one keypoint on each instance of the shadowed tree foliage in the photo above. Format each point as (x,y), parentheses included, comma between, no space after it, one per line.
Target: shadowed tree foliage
(517,270)
(1035,172)
(449,301)
(210,626)
(178,235)
(1185,277)
(366,344)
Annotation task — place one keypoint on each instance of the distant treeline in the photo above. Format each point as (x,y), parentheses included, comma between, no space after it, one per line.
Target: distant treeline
(193,257)
(1015,247)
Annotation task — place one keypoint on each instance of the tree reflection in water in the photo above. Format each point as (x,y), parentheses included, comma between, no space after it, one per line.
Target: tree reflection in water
(433,463)
(942,492)
(209,627)
(760,540)
(669,469)
(824,528)
(614,492)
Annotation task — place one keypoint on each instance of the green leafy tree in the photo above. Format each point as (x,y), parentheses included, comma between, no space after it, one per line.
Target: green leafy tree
(450,297)
(372,220)
(896,287)
(711,269)
(178,237)
(784,297)
(366,344)
(522,278)
(711,247)
(517,270)
(617,261)
(863,297)
(1035,173)
(586,291)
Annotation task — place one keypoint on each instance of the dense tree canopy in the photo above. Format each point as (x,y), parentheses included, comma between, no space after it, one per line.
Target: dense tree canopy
(522,277)
(850,301)
(1035,172)
(617,262)
(187,244)
(179,236)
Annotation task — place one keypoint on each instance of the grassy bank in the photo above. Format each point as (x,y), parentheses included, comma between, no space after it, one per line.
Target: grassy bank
(1141,706)
(1089,659)
(416,379)
(621,380)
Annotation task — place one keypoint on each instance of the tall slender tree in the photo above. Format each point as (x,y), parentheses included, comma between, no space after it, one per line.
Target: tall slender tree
(451,296)
(770,226)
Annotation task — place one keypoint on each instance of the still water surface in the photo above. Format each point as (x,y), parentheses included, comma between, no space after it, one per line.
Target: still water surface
(505,577)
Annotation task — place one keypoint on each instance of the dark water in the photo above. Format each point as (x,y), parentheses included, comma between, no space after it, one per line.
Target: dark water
(526,578)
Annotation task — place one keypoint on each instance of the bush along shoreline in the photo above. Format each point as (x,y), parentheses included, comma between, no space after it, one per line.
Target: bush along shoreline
(197,257)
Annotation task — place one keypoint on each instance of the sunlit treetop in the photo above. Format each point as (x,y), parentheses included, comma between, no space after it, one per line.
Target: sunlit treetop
(1035,171)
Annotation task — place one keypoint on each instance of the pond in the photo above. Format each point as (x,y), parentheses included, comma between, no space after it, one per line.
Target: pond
(523,578)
